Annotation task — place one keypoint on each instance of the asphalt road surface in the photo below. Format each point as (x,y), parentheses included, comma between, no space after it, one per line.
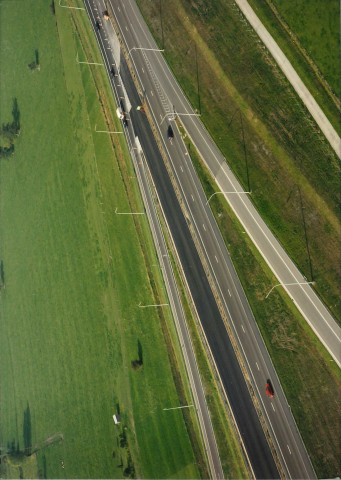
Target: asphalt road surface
(289,447)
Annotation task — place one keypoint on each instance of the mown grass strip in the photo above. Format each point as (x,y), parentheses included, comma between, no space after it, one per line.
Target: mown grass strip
(310,378)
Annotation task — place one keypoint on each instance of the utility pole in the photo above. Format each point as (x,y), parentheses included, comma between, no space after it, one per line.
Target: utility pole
(163,40)
(196,62)
(247,166)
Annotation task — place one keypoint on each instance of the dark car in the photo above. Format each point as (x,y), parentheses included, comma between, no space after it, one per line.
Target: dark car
(97,26)
(269,390)
(170,133)
(125,121)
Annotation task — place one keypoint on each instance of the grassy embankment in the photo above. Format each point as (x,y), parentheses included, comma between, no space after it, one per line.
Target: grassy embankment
(308,32)
(292,170)
(310,379)
(73,274)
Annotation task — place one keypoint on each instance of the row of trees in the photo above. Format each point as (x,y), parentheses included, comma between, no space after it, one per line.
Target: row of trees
(9,132)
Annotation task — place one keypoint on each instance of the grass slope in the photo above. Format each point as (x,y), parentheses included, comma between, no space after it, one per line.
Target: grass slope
(74,274)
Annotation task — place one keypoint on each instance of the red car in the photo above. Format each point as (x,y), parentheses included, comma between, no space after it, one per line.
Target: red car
(269,390)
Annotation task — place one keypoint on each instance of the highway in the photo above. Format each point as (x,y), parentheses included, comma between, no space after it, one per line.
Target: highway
(276,413)
(142,174)
(302,294)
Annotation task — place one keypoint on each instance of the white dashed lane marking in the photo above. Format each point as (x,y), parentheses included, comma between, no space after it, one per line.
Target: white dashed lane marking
(243,328)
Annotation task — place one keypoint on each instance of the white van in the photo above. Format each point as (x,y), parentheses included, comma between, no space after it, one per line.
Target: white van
(119,113)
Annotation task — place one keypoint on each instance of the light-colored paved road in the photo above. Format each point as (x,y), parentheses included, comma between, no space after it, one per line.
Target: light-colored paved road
(289,71)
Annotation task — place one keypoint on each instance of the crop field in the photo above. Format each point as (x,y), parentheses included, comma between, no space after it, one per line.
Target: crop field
(310,379)
(75,348)
(246,102)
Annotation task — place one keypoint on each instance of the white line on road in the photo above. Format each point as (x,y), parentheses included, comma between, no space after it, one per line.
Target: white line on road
(181,168)
(215,256)
(204,227)
(192,197)
(273,408)
(257,366)
(289,449)
(152,94)
(243,328)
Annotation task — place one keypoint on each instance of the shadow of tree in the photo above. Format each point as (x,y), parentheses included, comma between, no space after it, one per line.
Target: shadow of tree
(137,364)
(9,131)
(27,431)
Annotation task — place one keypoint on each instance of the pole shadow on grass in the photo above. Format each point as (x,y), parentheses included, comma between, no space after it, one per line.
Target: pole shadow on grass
(137,364)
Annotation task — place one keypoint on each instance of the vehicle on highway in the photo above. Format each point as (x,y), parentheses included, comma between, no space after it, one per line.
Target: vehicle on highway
(269,390)
(106,15)
(125,121)
(119,113)
(97,26)
(170,133)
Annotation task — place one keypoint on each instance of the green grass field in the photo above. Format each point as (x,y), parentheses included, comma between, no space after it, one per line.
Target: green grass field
(310,378)
(74,274)
(291,168)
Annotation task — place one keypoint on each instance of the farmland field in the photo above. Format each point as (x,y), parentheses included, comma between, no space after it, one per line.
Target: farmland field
(74,346)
